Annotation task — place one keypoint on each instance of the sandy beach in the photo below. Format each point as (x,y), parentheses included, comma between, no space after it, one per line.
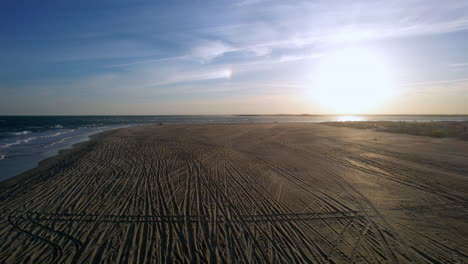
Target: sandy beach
(242,193)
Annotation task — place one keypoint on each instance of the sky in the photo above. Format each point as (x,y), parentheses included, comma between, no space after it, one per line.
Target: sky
(233,57)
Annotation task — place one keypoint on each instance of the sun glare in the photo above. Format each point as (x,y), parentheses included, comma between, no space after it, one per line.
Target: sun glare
(348,118)
(352,81)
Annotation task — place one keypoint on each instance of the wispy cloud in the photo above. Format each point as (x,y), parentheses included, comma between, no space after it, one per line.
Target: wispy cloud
(244,3)
(451,81)
(458,66)
(147,61)
(286,29)
(208,50)
(305,23)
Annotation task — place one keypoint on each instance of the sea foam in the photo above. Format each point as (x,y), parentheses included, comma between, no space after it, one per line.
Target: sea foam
(21,141)
(21,133)
(60,141)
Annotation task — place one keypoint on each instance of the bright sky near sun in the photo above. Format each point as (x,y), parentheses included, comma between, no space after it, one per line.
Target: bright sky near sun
(234,57)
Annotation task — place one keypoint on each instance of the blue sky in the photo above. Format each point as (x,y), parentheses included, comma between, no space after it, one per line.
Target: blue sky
(175,57)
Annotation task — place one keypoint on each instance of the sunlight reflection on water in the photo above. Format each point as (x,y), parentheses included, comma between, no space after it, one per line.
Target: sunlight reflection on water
(349,118)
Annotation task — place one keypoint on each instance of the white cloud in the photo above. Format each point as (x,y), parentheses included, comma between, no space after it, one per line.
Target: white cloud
(244,3)
(208,50)
(303,23)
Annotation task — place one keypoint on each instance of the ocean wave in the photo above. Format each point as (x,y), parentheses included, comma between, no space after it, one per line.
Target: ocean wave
(57,126)
(29,139)
(57,134)
(21,133)
(59,141)
(21,141)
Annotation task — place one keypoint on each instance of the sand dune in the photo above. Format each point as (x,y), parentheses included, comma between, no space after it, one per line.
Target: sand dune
(242,193)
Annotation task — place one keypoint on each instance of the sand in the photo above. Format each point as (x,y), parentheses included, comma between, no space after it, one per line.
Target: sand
(242,193)
(439,129)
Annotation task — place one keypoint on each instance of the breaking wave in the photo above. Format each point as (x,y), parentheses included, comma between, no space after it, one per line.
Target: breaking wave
(21,133)
(21,141)
(29,139)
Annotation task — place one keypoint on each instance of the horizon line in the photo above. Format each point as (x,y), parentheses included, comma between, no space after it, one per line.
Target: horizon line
(73,115)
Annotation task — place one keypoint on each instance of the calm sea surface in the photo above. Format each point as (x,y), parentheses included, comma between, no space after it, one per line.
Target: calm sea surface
(26,140)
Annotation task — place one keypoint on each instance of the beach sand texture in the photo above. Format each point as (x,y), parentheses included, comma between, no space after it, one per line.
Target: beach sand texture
(242,193)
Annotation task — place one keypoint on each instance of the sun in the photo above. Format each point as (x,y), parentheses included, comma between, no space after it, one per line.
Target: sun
(352,81)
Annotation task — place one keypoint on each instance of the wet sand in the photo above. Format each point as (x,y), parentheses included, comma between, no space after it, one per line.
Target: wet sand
(242,193)
(438,129)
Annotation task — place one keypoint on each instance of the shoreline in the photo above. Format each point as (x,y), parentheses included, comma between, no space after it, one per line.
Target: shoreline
(46,163)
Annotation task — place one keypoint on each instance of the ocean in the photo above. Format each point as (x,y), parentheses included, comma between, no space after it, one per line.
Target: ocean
(26,140)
